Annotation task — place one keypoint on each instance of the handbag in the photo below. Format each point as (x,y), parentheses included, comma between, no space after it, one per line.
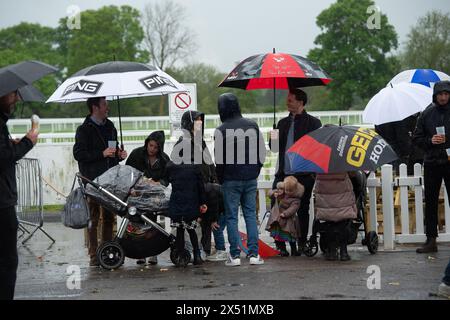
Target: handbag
(75,213)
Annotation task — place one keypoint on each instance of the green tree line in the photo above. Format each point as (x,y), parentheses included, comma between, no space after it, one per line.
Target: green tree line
(360,60)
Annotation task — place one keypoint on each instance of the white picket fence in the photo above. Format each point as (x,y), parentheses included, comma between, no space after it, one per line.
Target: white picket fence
(385,185)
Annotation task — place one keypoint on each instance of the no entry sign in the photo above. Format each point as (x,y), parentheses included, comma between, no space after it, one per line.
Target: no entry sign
(181,102)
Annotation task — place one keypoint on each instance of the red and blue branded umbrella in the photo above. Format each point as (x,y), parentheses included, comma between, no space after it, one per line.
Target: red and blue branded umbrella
(275,71)
(332,149)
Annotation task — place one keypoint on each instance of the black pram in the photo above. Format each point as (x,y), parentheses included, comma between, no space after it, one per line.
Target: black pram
(347,229)
(124,191)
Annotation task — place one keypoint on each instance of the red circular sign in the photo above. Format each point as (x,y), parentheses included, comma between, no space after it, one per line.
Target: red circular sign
(183,100)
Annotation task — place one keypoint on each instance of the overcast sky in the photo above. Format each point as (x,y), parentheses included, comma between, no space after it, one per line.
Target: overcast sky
(230,30)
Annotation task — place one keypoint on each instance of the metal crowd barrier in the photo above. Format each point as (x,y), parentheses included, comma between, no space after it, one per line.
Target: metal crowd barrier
(29,206)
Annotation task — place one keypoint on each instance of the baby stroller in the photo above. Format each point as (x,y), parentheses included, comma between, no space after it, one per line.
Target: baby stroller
(124,191)
(347,228)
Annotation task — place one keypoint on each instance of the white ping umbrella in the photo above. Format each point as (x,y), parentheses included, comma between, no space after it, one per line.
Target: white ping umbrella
(397,102)
(115,80)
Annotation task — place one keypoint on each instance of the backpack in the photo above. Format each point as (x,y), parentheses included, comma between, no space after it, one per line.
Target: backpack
(75,213)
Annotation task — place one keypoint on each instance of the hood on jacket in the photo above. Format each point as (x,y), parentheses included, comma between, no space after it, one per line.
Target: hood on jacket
(299,188)
(158,137)
(439,87)
(187,120)
(228,107)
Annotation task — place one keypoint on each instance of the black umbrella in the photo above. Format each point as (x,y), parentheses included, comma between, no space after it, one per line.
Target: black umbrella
(275,71)
(333,149)
(30,93)
(21,74)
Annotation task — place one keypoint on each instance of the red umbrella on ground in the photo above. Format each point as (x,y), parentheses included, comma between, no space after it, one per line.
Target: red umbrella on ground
(264,250)
(275,71)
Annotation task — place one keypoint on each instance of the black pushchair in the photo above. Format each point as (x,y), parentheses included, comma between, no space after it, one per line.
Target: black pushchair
(347,228)
(123,190)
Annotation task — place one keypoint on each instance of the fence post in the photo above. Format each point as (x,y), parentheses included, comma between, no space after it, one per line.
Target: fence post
(404,203)
(372,184)
(388,207)
(447,211)
(418,196)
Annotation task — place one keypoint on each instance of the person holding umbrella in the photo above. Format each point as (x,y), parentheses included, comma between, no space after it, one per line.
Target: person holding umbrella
(289,130)
(433,128)
(10,152)
(96,150)
(15,84)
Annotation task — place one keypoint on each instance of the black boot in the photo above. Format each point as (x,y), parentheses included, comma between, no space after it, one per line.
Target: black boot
(429,246)
(294,251)
(343,252)
(197,258)
(281,245)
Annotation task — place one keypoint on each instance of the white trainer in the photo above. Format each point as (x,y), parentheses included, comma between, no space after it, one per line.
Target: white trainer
(233,262)
(256,260)
(444,290)
(220,255)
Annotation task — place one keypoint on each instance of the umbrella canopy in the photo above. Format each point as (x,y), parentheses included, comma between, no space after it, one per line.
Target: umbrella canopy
(397,102)
(275,71)
(333,149)
(116,79)
(30,93)
(21,74)
(424,77)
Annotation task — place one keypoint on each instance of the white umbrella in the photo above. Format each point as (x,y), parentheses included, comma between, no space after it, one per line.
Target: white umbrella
(426,77)
(397,102)
(116,79)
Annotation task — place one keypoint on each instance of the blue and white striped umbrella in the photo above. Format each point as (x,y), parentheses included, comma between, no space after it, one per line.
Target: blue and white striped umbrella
(426,77)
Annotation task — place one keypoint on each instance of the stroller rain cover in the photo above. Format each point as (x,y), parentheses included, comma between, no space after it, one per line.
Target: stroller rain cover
(118,180)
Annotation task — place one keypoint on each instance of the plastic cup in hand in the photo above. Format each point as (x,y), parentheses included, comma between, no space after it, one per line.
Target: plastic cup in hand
(112,144)
(35,123)
(440,130)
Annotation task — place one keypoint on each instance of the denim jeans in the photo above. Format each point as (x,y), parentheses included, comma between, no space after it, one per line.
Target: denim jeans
(242,193)
(219,239)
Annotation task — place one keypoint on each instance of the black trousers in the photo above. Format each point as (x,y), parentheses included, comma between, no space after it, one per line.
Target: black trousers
(433,176)
(206,236)
(8,252)
(307,180)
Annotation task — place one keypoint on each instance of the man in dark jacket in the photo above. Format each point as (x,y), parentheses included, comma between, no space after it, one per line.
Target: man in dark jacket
(152,161)
(96,150)
(399,136)
(10,152)
(240,153)
(289,130)
(436,160)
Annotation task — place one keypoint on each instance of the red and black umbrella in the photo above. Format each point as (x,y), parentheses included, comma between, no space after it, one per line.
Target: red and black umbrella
(332,149)
(275,71)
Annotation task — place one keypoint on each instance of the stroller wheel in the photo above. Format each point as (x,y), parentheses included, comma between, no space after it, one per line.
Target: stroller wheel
(110,255)
(180,259)
(372,242)
(311,248)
